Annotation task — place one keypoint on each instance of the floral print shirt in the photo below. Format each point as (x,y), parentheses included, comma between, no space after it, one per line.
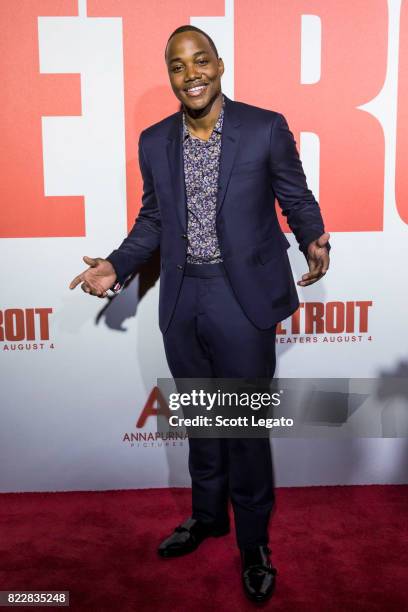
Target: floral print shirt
(201,167)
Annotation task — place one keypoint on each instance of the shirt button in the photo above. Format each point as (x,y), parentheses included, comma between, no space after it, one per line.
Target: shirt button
(184,236)
(179,267)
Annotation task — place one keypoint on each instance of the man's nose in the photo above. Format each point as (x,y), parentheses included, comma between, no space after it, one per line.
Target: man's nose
(192,72)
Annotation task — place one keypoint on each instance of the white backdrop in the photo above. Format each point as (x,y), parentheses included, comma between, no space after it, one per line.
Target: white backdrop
(66,407)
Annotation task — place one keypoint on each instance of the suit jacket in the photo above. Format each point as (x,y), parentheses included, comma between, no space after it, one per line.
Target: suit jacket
(259,161)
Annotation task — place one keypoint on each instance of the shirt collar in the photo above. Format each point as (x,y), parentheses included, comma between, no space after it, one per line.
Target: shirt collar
(217,127)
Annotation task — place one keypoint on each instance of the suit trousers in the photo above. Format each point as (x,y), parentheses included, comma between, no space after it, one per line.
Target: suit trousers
(210,336)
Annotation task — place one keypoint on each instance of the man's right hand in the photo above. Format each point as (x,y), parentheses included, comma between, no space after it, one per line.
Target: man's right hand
(97,279)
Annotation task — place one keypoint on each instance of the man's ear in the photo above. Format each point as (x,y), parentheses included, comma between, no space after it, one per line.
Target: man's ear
(221,66)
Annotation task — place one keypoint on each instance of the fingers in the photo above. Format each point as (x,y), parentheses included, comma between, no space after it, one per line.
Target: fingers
(316,245)
(317,270)
(93,290)
(75,282)
(323,239)
(318,260)
(90,261)
(309,279)
(325,261)
(81,277)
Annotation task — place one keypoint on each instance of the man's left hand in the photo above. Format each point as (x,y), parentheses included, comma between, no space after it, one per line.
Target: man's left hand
(318,260)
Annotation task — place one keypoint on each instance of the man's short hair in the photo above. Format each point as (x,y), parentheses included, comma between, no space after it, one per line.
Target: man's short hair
(191,28)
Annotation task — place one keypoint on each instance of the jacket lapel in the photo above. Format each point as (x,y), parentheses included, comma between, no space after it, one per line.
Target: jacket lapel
(176,165)
(229,146)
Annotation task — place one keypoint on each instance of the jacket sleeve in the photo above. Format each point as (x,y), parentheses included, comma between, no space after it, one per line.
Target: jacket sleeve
(144,237)
(290,187)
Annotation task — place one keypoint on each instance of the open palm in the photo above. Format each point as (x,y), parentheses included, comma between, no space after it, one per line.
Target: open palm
(97,279)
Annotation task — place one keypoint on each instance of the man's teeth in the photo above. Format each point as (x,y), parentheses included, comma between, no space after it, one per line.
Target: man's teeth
(196,89)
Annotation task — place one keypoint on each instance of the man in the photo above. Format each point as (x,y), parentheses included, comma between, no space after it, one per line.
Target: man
(210,176)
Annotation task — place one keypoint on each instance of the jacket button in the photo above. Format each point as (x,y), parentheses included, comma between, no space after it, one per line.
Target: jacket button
(184,236)
(179,267)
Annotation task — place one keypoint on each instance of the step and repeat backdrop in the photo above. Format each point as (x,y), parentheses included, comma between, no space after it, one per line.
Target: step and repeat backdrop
(80,79)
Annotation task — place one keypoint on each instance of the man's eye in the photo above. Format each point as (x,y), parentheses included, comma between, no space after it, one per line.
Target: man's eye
(176,68)
(203,61)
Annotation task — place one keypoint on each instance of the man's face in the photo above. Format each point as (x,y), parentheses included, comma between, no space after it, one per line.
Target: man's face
(194,70)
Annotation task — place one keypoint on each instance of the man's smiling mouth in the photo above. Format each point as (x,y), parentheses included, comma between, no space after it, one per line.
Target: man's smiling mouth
(195,90)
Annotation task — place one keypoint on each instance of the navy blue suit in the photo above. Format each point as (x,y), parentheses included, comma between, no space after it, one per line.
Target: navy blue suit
(259,161)
(219,320)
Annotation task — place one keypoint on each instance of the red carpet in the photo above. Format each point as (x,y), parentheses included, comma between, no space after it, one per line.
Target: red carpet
(336,548)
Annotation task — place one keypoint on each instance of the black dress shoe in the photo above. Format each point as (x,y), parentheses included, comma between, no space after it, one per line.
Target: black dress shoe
(258,575)
(188,536)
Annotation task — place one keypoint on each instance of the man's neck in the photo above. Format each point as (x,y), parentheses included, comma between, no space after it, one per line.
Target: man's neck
(201,123)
